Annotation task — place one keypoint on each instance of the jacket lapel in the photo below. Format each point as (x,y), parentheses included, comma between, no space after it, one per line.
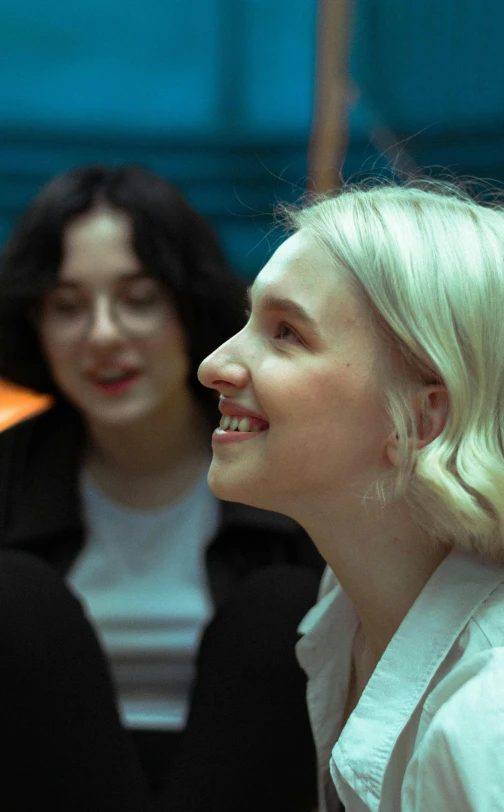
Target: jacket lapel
(42,511)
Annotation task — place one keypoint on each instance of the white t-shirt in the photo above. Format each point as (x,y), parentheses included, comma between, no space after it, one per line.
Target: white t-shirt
(143,581)
(427,734)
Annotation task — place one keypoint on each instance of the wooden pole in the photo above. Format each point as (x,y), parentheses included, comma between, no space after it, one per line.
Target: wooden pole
(329,135)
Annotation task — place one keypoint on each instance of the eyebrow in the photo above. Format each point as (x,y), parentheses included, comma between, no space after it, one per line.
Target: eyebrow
(125,277)
(288,306)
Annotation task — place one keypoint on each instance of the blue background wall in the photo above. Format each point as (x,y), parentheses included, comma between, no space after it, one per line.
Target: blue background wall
(217,95)
(433,72)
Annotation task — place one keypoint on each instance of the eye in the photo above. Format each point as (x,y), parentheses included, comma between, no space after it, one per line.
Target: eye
(281,330)
(141,300)
(67,304)
(285,333)
(144,293)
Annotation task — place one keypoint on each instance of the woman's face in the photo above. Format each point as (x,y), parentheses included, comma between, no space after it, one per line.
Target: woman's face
(306,366)
(110,334)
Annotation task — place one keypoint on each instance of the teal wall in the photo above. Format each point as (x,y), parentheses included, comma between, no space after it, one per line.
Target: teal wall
(217,95)
(214,94)
(433,72)
(146,66)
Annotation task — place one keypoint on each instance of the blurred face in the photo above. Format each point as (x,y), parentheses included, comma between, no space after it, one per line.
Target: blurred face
(302,377)
(109,331)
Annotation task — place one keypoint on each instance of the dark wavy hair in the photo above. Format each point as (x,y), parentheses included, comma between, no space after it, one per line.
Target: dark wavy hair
(174,243)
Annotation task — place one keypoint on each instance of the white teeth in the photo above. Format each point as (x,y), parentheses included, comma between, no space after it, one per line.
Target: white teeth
(237,424)
(109,377)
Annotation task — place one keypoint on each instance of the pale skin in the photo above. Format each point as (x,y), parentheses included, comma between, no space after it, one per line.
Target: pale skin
(319,385)
(148,446)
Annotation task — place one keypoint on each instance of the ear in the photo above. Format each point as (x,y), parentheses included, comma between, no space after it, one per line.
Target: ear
(430,405)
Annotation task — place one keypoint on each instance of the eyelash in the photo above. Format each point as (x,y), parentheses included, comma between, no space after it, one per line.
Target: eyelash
(280,327)
(284,326)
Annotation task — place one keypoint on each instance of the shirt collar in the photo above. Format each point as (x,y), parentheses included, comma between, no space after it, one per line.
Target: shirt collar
(453,594)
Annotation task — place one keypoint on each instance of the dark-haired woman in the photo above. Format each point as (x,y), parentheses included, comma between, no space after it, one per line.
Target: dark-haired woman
(112,291)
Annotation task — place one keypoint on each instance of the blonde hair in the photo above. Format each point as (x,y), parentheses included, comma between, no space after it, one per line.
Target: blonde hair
(430,263)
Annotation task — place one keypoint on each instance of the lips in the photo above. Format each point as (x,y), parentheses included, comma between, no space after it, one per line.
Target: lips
(230,409)
(111,373)
(113,379)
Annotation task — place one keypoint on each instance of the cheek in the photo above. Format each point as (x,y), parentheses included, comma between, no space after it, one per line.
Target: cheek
(61,359)
(297,390)
(166,351)
(325,408)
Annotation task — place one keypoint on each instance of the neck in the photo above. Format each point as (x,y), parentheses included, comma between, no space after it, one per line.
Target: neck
(382,560)
(151,462)
(154,443)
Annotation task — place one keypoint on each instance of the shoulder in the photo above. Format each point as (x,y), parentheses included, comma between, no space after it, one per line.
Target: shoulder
(468,699)
(45,442)
(488,621)
(20,434)
(28,424)
(477,695)
(56,419)
(459,763)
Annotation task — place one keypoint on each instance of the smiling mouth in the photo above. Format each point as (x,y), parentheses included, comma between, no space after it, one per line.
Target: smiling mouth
(114,383)
(242,424)
(114,377)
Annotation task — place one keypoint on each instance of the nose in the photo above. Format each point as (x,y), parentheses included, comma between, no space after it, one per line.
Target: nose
(223,369)
(103,327)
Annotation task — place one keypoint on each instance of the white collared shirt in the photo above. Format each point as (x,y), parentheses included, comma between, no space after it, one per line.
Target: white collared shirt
(427,734)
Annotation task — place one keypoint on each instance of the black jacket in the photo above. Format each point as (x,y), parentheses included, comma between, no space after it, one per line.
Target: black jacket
(41,512)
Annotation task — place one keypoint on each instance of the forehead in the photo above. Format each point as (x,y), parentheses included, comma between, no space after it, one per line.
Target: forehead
(97,247)
(303,271)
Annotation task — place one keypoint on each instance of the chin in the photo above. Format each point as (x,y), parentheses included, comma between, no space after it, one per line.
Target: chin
(118,414)
(227,486)
(219,487)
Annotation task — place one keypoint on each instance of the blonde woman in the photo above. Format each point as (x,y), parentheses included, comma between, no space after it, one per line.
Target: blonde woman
(371,376)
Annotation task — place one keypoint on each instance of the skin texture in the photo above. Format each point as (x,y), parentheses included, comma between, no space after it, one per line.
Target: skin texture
(317,391)
(146,444)
(320,388)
